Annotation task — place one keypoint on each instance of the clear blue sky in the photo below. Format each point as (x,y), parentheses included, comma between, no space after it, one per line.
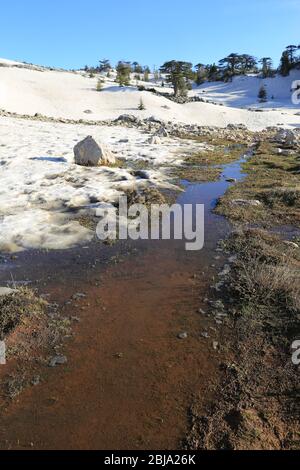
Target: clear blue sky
(72,33)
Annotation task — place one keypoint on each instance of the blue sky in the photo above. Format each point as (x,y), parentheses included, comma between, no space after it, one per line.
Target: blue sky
(72,33)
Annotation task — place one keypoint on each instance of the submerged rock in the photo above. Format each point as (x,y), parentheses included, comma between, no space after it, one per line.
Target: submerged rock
(89,152)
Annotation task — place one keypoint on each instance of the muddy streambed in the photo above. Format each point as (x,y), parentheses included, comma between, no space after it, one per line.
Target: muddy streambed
(129,380)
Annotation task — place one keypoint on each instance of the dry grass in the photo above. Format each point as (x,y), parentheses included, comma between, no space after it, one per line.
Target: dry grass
(196,173)
(266,284)
(257,401)
(18,307)
(220,155)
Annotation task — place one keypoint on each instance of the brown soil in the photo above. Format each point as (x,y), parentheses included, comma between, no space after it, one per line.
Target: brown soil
(129,380)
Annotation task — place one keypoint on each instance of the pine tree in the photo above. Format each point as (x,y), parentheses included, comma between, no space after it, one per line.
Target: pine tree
(201,74)
(262,94)
(123,74)
(104,65)
(137,68)
(178,74)
(285,64)
(291,51)
(267,67)
(230,65)
(213,73)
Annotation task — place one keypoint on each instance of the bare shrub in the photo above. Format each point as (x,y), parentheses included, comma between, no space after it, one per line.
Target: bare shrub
(269,284)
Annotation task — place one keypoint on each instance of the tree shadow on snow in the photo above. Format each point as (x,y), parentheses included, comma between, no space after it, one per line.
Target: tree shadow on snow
(50,159)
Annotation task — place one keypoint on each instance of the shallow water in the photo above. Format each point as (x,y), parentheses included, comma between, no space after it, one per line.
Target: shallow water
(134,310)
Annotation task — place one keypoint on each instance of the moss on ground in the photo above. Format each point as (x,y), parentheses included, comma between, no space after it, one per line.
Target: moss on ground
(272,179)
(17,308)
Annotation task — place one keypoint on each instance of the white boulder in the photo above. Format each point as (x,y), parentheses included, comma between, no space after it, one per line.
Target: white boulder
(89,152)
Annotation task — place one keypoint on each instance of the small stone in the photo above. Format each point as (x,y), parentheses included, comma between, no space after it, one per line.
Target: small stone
(219,286)
(216,345)
(57,361)
(205,335)
(75,319)
(6,291)
(36,381)
(245,202)
(162,132)
(79,295)
(119,356)
(217,304)
(221,315)
(182,335)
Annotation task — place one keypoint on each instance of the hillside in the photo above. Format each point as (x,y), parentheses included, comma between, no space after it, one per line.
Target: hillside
(243,91)
(29,90)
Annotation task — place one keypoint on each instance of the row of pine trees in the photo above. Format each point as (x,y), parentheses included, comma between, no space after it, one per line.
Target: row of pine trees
(180,74)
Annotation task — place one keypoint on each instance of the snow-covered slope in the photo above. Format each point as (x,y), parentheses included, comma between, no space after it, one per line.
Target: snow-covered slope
(69,95)
(243,91)
(41,187)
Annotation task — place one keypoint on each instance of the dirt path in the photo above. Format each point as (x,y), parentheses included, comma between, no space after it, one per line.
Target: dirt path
(129,380)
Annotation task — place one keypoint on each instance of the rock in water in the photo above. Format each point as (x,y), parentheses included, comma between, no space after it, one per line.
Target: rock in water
(88,152)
